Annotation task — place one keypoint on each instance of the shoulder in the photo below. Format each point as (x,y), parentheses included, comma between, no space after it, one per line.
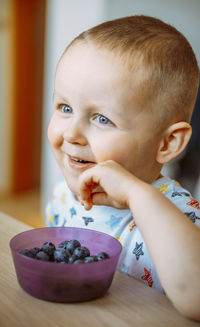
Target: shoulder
(181,198)
(171,189)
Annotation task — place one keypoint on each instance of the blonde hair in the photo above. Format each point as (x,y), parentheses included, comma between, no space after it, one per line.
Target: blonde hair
(166,55)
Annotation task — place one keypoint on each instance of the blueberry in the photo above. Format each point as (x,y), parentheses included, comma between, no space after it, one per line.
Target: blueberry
(48,248)
(72,258)
(41,255)
(102,256)
(61,255)
(78,261)
(34,251)
(81,252)
(72,245)
(67,252)
(63,244)
(27,253)
(90,259)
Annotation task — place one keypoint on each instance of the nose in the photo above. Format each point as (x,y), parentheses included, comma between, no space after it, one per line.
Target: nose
(74,133)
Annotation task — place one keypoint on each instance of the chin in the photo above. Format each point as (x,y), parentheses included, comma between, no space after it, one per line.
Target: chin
(72,185)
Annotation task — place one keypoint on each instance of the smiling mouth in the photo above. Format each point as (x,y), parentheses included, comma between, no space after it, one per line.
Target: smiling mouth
(80,164)
(81,161)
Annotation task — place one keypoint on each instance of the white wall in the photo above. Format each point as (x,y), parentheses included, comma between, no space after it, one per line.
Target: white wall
(67,18)
(182,14)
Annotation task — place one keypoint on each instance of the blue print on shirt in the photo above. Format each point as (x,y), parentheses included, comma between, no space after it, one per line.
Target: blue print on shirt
(114,221)
(87,220)
(192,216)
(56,219)
(176,193)
(138,250)
(73,212)
(64,222)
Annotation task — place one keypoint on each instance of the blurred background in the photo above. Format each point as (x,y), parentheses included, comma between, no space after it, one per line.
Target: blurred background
(33,35)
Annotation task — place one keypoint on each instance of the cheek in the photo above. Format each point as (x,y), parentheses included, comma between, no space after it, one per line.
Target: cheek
(131,153)
(113,148)
(54,134)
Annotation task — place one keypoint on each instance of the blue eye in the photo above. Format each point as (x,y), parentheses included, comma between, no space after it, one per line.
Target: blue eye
(103,120)
(66,109)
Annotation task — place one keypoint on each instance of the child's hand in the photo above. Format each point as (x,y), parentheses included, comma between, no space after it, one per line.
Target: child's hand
(170,236)
(114,181)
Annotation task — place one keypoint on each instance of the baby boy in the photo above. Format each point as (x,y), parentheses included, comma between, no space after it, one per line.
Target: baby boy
(124,95)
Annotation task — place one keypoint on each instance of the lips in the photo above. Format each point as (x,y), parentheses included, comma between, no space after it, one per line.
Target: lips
(80,164)
(80,160)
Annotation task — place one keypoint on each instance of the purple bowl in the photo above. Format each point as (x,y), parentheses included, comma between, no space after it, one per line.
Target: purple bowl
(65,282)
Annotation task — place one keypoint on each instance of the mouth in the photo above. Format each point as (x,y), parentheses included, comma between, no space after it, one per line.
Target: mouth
(80,160)
(80,164)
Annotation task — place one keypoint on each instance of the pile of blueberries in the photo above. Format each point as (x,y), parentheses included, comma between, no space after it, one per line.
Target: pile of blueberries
(69,251)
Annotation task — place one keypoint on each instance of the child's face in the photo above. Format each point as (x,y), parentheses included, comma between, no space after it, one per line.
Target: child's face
(100,115)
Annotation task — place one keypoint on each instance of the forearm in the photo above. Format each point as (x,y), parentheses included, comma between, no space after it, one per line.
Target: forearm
(172,239)
(173,242)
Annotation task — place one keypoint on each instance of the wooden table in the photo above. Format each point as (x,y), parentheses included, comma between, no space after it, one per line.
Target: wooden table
(127,303)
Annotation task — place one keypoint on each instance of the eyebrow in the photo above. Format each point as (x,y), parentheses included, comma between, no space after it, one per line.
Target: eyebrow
(60,96)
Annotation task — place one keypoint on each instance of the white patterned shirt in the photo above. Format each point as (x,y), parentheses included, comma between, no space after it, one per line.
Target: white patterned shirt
(64,210)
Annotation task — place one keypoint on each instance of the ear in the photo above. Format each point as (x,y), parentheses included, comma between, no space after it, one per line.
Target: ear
(173,142)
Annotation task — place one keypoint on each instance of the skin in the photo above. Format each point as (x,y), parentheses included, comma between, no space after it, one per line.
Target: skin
(179,274)
(100,118)
(90,88)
